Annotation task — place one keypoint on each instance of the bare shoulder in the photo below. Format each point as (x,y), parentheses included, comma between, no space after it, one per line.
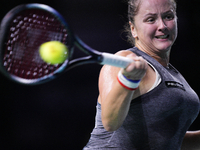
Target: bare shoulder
(107,68)
(147,81)
(107,72)
(123,53)
(108,75)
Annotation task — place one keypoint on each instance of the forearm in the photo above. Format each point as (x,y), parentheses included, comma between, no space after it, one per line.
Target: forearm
(115,107)
(191,141)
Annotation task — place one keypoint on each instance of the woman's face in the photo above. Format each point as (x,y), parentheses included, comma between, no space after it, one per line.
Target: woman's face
(155,26)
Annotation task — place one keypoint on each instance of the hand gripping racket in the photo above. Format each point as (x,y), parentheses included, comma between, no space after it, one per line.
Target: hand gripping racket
(25,28)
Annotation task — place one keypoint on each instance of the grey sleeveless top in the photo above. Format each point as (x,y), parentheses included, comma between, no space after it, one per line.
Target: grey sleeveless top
(157,120)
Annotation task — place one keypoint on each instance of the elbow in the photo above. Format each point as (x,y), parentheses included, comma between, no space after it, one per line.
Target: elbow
(110,129)
(110,126)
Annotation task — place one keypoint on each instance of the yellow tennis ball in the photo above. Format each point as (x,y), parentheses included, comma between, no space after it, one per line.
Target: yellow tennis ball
(53,52)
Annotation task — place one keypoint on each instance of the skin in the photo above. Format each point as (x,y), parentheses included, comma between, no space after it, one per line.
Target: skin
(156,18)
(154,30)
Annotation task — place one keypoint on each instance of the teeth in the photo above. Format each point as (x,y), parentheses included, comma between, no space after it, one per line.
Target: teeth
(162,36)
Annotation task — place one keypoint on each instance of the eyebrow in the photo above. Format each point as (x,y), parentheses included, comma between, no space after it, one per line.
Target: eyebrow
(154,14)
(150,14)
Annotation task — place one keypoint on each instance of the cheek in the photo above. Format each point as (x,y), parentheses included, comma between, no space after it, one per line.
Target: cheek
(174,31)
(147,31)
(173,27)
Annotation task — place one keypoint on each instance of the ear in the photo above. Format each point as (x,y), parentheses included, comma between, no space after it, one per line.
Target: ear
(133,30)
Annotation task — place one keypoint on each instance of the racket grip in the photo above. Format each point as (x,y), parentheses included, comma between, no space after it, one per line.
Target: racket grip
(115,60)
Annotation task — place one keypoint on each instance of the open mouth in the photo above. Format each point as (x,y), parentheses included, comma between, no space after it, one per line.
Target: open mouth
(162,36)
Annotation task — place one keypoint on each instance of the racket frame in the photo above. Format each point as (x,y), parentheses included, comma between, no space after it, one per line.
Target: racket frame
(94,56)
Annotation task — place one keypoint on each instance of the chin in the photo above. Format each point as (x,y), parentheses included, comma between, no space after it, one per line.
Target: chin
(164,47)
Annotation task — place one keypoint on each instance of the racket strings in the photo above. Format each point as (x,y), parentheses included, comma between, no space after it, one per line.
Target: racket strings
(28,31)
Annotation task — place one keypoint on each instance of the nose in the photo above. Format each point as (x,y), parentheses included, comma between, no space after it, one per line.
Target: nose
(162,25)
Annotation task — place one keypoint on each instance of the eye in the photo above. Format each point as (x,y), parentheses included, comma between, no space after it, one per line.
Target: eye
(169,17)
(150,20)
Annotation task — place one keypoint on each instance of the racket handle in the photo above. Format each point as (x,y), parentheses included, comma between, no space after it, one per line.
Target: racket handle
(115,60)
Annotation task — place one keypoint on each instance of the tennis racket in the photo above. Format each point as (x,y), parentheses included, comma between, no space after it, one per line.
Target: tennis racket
(25,28)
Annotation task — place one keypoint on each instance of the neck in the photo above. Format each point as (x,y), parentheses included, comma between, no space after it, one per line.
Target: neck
(161,56)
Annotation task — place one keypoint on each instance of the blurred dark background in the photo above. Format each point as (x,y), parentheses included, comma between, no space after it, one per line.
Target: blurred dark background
(60,114)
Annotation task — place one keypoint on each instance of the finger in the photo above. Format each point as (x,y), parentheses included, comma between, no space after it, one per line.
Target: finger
(139,64)
(130,67)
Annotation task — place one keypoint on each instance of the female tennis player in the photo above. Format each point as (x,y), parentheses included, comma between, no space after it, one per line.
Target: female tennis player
(148,105)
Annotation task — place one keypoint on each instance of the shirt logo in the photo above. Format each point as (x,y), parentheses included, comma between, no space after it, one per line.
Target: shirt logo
(173,84)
